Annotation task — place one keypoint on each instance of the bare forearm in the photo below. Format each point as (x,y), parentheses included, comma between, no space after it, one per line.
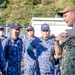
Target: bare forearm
(58,50)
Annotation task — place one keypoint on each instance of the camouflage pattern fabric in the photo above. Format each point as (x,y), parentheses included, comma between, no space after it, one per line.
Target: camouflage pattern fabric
(13,53)
(44,55)
(2,60)
(29,63)
(68,57)
(57,66)
(3,39)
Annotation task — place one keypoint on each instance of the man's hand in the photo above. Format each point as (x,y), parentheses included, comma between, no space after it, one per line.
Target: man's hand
(61,37)
(57,56)
(0,73)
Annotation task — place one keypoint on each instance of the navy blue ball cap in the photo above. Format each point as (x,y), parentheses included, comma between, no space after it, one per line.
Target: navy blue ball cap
(1,27)
(15,25)
(45,26)
(30,28)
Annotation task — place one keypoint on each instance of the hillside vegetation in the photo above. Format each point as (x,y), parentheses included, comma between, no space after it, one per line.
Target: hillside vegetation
(23,10)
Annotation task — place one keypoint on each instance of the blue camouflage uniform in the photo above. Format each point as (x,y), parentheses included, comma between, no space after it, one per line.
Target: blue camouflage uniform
(3,39)
(44,55)
(57,66)
(13,53)
(2,60)
(29,63)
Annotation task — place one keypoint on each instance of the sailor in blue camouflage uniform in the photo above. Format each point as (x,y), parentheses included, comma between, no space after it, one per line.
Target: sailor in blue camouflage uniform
(2,60)
(44,52)
(13,50)
(2,35)
(29,63)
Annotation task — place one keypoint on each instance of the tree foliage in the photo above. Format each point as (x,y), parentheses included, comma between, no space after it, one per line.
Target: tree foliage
(3,3)
(23,10)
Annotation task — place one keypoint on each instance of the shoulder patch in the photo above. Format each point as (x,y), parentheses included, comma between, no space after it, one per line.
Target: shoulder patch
(30,47)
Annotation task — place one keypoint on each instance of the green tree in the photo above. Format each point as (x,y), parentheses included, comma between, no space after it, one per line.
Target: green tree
(3,3)
(23,10)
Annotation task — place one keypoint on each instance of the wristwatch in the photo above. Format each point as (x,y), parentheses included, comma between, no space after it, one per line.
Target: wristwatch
(56,40)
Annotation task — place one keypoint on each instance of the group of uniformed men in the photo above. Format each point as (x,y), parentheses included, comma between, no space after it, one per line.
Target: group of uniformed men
(38,53)
(41,55)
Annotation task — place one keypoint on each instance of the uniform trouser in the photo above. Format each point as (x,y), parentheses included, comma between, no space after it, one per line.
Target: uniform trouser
(29,70)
